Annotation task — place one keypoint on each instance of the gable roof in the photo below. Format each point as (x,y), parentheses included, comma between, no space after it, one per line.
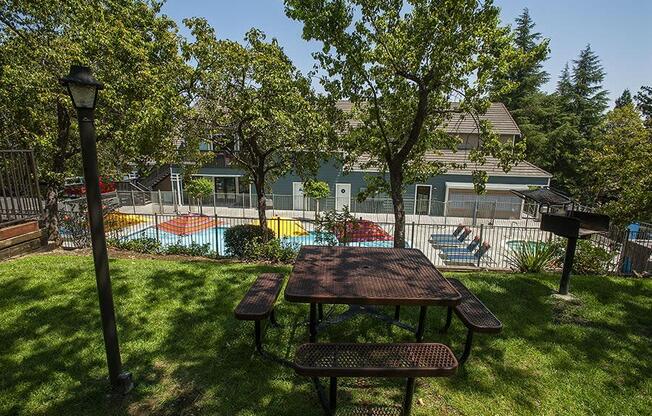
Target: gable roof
(500,118)
(461,157)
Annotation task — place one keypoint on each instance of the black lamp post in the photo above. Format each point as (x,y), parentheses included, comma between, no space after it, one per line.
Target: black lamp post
(83,88)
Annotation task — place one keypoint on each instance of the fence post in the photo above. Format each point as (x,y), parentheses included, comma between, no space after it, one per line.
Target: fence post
(412,239)
(156,227)
(160,201)
(278,219)
(217,236)
(133,201)
(481,242)
(344,232)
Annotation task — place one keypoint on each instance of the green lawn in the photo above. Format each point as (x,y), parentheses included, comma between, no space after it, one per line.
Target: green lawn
(190,356)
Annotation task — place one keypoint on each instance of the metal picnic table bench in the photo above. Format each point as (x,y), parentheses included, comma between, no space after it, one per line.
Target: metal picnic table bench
(364,277)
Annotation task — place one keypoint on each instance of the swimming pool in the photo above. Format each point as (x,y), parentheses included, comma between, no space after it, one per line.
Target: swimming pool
(516,245)
(214,237)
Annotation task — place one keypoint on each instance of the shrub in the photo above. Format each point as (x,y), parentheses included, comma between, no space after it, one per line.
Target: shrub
(589,258)
(238,239)
(533,257)
(333,224)
(271,250)
(194,249)
(140,245)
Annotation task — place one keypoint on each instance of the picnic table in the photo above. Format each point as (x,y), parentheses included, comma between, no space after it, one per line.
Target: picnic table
(365,276)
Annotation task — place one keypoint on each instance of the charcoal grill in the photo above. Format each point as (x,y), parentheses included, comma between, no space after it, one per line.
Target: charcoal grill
(573,226)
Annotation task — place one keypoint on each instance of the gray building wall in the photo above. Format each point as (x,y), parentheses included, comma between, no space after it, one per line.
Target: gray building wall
(331,173)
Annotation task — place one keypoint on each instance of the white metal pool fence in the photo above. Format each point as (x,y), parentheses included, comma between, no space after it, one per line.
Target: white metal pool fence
(501,239)
(166,202)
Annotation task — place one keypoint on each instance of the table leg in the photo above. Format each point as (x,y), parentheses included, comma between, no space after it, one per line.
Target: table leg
(422,323)
(313,322)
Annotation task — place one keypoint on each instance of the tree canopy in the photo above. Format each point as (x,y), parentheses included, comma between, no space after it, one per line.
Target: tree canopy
(624,99)
(527,74)
(130,47)
(620,165)
(401,64)
(253,104)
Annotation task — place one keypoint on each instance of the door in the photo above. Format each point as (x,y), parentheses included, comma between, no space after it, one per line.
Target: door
(422,199)
(342,196)
(297,196)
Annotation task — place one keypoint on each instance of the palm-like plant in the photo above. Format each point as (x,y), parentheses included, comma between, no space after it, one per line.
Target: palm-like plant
(532,257)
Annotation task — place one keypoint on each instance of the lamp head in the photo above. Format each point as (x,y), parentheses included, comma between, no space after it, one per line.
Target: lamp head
(82,86)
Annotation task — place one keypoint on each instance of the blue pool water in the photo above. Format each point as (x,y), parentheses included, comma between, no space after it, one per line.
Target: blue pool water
(517,244)
(214,237)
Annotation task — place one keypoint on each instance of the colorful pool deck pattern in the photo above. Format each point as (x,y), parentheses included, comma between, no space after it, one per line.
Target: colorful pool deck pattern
(188,224)
(363,231)
(284,227)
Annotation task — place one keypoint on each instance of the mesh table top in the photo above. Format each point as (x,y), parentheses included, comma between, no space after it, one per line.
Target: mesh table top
(367,276)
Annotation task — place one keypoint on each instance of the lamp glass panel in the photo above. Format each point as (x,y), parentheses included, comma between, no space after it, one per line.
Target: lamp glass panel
(83,96)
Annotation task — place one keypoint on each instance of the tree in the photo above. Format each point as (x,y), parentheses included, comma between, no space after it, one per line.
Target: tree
(644,103)
(528,74)
(131,48)
(199,189)
(620,165)
(400,67)
(257,107)
(624,99)
(317,190)
(589,98)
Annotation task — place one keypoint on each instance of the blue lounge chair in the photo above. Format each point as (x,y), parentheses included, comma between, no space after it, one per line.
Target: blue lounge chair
(455,233)
(454,251)
(468,259)
(450,241)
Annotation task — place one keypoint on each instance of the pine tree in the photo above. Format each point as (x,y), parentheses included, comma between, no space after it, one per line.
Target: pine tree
(529,75)
(565,88)
(644,103)
(624,99)
(590,98)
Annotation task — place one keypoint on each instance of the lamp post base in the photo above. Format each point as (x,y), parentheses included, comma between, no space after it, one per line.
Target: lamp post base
(125,384)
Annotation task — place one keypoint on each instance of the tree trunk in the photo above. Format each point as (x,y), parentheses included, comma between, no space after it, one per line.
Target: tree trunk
(58,170)
(396,191)
(262,203)
(52,213)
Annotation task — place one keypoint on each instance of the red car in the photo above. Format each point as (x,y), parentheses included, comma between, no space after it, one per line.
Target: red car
(75,187)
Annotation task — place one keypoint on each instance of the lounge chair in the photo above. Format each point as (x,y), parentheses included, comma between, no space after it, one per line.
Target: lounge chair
(448,241)
(454,251)
(468,259)
(455,233)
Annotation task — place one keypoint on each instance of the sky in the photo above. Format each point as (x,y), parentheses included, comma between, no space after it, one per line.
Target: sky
(619,31)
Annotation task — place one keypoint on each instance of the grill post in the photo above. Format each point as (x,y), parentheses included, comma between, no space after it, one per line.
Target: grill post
(568,266)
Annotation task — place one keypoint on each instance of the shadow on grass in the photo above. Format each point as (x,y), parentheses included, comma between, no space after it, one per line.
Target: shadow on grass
(190,356)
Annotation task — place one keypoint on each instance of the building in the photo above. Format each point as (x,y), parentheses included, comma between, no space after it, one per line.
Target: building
(450,194)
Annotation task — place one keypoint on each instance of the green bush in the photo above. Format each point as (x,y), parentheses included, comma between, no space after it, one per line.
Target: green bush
(146,245)
(533,257)
(271,250)
(237,240)
(589,258)
(194,249)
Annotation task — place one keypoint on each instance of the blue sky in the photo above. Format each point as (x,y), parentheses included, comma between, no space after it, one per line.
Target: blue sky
(620,31)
